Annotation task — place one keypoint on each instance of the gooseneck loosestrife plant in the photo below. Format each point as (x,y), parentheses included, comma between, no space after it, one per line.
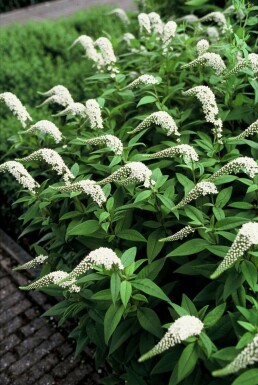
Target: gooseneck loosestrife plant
(140,201)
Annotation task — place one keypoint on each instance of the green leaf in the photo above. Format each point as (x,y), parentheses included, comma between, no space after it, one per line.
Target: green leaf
(84,228)
(149,321)
(143,196)
(111,320)
(193,246)
(153,244)
(149,287)
(128,256)
(125,292)
(75,169)
(131,235)
(152,270)
(120,335)
(247,378)
(223,197)
(146,100)
(230,223)
(102,295)
(250,273)
(115,283)
(213,316)
(187,362)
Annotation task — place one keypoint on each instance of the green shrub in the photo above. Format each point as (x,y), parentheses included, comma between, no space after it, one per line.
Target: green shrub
(163,235)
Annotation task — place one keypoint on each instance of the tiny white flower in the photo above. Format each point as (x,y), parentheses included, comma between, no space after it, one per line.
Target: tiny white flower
(246,237)
(183,328)
(34,262)
(243,163)
(144,79)
(51,278)
(94,114)
(201,189)
(187,152)
(111,142)
(15,105)
(184,232)
(46,127)
(20,173)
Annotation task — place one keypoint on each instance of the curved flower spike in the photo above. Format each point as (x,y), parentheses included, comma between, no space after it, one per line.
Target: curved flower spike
(143,79)
(184,150)
(201,189)
(251,62)
(58,94)
(246,237)
(209,59)
(90,51)
(160,118)
(209,106)
(248,356)
(217,17)
(106,50)
(120,13)
(53,159)
(244,164)
(169,31)
(101,256)
(89,187)
(93,112)
(15,105)
(134,172)
(144,23)
(110,141)
(74,109)
(183,328)
(20,173)
(48,279)
(202,46)
(34,262)
(156,23)
(251,130)
(184,232)
(46,127)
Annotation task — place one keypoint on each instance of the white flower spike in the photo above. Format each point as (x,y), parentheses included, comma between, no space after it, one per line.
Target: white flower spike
(201,189)
(144,23)
(75,109)
(183,150)
(46,127)
(183,328)
(251,130)
(244,164)
(184,232)
(15,105)
(93,112)
(209,59)
(34,262)
(58,94)
(120,13)
(110,141)
(202,46)
(20,173)
(144,79)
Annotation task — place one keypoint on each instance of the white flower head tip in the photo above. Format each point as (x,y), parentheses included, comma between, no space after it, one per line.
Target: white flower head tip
(156,23)
(120,13)
(248,356)
(182,150)
(169,31)
(201,189)
(110,141)
(179,235)
(144,23)
(15,105)
(52,158)
(202,46)
(20,174)
(51,278)
(106,50)
(58,94)
(34,262)
(76,109)
(243,163)
(88,187)
(94,114)
(134,172)
(144,79)
(101,256)
(209,59)
(251,130)
(90,51)
(246,237)
(46,127)
(160,118)
(183,328)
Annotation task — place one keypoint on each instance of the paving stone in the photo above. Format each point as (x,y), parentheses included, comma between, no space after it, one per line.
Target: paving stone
(78,374)
(10,327)
(4,281)
(65,349)
(32,313)
(6,361)
(33,326)
(4,379)
(9,343)
(11,300)
(29,343)
(65,367)
(47,380)
(14,311)
(7,290)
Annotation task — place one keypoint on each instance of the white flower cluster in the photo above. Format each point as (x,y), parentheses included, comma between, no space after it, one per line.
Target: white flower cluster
(144,23)
(46,127)
(120,13)
(213,33)
(94,114)
(48,279)
(15,105)
(75,109)
(160,118)
(209,59)
(202,46)
(252,62)
(133,172)
(248,356)
(183,328)
(201,189)
(156,23)
(101,256)
(184,232)
(246,237)
(127,37)
(20,174)
(89,187)
(34,262)
(90,51)
(187,152)
(209,106)
(251,130)
(218,18)
(189,18)
(110,141)
(243,163)
(143,79)
(58,94)
(53,159)
(169,31)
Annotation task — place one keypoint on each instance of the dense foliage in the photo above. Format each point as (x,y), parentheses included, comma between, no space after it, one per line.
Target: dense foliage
(10,5)
(152,237)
